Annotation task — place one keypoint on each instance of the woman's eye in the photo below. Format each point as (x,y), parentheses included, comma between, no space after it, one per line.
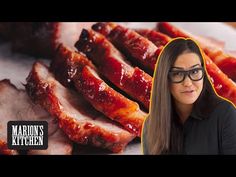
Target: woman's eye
(194,71)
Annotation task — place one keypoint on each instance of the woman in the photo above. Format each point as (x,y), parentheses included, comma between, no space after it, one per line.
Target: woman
(186,116)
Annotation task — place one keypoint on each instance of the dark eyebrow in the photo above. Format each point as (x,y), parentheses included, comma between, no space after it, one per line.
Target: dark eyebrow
(174,67)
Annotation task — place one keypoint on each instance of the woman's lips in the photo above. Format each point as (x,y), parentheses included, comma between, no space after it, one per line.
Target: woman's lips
(188,92)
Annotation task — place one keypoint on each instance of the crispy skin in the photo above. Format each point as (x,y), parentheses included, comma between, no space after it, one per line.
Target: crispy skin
(101,96)
(137,48)
(108,101)
(66,63)
(158,38)
(76,117)
(114,66)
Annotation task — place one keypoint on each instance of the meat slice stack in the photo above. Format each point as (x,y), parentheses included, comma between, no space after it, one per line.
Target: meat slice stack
(140,50)
(76,117)
(115,67)
(15,105)
(223,85)
(96,91)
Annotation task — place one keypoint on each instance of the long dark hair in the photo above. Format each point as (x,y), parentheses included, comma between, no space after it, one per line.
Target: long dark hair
(163,131)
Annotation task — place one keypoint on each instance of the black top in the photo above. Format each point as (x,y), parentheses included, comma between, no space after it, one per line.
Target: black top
(210,129)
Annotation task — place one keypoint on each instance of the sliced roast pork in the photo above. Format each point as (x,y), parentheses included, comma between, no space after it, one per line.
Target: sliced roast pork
(114,66)
(79,120)
(101,96)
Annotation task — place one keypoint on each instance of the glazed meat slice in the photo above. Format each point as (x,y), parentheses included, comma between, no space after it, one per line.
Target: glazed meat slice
(223,85)
(136,47)
(94,89)
(170,30)
(66,63)
(158,38)
(76,117)
(15,105)
(114,66)
(224,61)
(41,38)
(173,31)
(108,101)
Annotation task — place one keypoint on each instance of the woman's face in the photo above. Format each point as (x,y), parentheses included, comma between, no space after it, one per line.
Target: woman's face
(187,91)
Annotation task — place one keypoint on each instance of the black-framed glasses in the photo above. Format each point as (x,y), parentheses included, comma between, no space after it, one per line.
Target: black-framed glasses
(178,76)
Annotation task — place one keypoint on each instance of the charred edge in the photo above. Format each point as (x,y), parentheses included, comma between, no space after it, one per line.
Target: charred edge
(61,68)
(82,39)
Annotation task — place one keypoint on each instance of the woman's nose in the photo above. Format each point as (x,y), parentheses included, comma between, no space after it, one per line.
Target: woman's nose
(187,81)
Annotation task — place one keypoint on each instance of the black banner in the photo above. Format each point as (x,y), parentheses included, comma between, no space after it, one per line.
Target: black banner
(24,135)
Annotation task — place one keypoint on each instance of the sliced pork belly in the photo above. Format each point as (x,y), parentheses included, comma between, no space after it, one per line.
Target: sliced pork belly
(137,48)
(95,90)
(76,117)
(158,38)
(114,66)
